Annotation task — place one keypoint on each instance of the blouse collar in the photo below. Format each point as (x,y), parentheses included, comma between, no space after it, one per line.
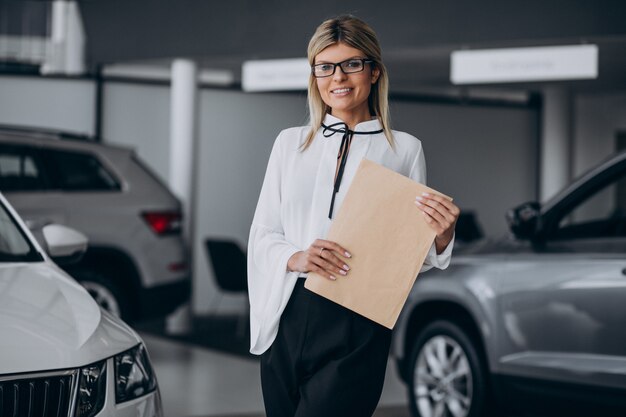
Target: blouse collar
(366,126)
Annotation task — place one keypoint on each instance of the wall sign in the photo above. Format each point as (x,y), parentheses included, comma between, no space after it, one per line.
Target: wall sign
(548,63)
(275,75)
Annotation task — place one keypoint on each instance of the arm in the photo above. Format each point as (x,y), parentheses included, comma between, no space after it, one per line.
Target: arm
(267,246)
(269,282)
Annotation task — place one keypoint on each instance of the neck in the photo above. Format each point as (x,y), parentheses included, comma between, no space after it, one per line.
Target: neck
(352,118)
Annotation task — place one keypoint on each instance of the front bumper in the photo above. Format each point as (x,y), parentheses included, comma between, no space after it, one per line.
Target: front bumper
(62,394)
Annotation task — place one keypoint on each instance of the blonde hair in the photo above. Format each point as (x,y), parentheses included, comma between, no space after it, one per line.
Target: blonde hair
(353,32)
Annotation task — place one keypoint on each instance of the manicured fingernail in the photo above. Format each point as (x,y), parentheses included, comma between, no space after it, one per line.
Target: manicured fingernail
(348,255)
(418,203)
(346,267)
(426,194)
(418,198)
(333,278)
(342,272)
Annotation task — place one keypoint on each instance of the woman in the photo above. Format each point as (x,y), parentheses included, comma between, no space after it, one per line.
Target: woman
(318,358)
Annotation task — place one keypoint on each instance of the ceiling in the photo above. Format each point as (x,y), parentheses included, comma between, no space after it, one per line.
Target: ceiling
(417,36)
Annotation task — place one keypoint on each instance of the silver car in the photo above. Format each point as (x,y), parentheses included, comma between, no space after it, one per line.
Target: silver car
(136,265)
(532,323)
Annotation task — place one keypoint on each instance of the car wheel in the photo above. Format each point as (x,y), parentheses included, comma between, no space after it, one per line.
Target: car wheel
(104,292)
(447,375)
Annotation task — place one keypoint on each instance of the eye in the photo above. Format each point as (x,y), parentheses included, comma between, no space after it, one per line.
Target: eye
(325,67)
(354,63)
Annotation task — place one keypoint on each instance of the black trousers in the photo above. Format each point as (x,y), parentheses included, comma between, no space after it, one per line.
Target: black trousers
(326,361)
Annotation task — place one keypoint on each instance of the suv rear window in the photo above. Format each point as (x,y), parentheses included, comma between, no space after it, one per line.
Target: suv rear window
(19,170)
(77,171)
(26,168)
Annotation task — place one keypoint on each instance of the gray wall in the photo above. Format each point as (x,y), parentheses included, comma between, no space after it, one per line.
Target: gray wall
(139,116)
(482,156)
(237,131)
(597,120)
(50,103)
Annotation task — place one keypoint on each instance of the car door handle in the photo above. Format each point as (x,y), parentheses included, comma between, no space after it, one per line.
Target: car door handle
(624,271)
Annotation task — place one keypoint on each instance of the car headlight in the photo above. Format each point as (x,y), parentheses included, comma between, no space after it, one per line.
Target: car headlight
(91,389)
(134,376)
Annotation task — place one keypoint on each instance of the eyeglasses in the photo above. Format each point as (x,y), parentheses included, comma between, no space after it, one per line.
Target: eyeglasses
(349,66)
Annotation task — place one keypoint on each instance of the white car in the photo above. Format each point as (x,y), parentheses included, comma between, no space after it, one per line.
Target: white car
(60,354)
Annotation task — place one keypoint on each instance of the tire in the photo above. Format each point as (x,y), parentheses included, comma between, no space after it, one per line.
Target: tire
(105,292)
(444,349)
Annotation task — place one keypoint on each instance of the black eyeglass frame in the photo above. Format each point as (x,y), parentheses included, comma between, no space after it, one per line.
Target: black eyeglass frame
(338,64)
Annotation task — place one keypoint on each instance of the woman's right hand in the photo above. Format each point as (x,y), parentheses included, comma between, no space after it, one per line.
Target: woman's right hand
(324,257)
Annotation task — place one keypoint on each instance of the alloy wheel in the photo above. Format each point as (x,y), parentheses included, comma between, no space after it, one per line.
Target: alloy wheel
(442,379)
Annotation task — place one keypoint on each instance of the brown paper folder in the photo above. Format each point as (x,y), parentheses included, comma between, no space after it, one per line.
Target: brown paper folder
(388,238)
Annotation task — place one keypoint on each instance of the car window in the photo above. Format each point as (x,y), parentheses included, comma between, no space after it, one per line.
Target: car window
(14,245)
(77,171)
(19,170)
(600,215)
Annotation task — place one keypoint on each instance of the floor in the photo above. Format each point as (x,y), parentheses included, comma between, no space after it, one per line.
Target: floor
(208,372)
(199,381)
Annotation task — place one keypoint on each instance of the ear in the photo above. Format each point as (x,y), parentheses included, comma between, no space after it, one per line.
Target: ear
(375,74)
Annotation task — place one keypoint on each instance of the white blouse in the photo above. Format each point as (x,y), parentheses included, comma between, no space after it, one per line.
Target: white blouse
(293,210)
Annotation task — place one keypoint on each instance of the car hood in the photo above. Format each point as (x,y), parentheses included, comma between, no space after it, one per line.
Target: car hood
(491,246)
(48,321)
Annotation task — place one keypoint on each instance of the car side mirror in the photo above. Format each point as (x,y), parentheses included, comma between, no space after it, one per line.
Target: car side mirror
(64,245)
(523,220)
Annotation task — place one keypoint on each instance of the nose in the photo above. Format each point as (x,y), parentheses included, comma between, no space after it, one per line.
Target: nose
(339,75)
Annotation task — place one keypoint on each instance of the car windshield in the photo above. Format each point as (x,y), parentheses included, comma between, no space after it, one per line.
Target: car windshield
(14,245)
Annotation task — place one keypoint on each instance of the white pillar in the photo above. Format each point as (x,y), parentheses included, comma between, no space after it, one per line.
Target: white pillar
(67,40)
(182,132)
(183,112)
(556,142)
(75,41)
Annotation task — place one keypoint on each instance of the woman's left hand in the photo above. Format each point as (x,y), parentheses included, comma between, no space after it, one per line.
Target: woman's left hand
(441,214)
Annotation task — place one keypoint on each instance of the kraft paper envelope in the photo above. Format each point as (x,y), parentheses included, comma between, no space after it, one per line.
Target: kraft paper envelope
(388,238)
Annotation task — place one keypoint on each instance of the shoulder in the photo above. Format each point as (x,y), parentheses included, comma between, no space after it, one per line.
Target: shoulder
(406,143)
(291,138)
(292,135)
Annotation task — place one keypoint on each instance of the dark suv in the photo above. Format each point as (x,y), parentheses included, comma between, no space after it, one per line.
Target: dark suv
(136,265)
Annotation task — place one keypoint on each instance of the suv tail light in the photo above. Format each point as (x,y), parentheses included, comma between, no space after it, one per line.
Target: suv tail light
(164,222)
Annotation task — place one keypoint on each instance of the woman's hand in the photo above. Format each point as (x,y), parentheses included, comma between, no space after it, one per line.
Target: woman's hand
(323,257)
(441,214)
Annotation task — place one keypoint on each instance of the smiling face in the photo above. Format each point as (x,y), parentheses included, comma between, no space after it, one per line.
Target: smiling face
(346,94)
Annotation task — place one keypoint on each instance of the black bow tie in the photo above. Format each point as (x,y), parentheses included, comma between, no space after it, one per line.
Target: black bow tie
(346,139)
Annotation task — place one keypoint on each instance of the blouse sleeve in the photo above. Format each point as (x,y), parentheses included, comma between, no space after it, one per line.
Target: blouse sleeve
(441,261)
(268,253)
